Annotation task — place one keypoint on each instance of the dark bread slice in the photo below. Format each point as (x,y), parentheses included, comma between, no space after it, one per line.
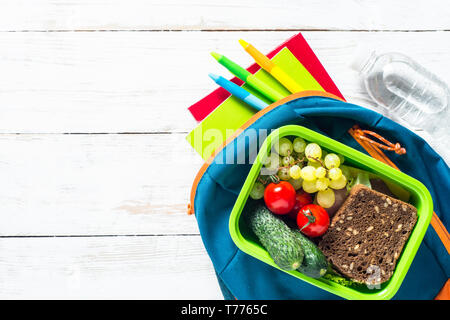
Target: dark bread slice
(367,235)
(380,186)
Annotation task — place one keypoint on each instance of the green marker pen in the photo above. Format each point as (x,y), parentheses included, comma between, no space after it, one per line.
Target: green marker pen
(249,78)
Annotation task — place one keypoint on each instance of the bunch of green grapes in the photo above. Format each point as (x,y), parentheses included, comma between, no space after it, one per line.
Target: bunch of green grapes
(306,165)
(323,174)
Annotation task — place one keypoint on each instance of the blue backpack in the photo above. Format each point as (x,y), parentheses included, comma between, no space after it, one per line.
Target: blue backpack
(218,184)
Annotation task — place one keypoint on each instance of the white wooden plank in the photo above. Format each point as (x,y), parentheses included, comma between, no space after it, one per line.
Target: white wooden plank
(228,15)
(106,268)
(126,184)
(96,184)
(144,81)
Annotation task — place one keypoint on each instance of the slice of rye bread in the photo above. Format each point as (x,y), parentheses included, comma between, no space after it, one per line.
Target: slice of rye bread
(367,235)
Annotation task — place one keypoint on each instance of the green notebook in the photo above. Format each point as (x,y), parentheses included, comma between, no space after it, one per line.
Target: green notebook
(233,113)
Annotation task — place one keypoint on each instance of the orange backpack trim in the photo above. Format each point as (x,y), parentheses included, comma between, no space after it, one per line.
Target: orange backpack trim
(444,294)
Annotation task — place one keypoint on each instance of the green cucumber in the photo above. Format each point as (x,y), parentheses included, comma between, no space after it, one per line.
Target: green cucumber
(279,240)
(314,264)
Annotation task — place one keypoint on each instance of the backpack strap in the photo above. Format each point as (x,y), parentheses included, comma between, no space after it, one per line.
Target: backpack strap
(373,149)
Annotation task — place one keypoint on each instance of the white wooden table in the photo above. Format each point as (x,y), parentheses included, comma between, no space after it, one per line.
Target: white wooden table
(95,170)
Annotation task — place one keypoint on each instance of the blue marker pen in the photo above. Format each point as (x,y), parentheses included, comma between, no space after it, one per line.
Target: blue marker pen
(239,92)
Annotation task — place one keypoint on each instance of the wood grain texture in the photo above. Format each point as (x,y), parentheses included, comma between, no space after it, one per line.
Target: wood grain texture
(93,184)
(130,184)
(109,82)
(117,202)
(96,184)
(106,268)
(219,15)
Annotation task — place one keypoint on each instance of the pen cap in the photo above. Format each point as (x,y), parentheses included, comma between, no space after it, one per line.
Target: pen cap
(213,76)
(260,58)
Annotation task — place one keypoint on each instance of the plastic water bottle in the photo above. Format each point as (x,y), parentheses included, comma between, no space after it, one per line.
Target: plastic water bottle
(409,93)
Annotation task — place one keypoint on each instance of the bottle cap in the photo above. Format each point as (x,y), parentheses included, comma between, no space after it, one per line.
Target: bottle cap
(363,53)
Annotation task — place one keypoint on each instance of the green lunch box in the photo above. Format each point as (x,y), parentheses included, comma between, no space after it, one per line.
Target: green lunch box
(419,197)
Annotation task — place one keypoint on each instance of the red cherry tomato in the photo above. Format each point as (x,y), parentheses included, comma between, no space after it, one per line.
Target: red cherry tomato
(279,197)
(313,220)
(302,199)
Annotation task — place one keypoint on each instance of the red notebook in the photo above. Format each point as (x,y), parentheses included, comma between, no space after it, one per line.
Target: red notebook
(299,48)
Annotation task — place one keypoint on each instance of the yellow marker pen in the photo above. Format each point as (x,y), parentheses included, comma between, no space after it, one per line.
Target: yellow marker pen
(272,68)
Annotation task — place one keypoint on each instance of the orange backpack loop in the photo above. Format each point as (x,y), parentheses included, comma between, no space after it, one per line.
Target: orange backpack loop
(389,145)
(372,148)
